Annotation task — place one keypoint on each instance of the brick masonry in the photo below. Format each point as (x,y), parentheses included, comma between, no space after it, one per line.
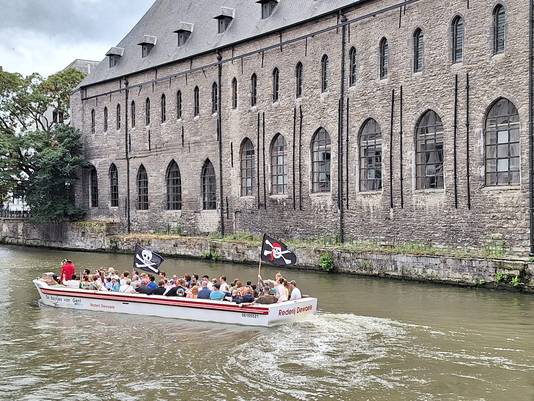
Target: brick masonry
(425,216)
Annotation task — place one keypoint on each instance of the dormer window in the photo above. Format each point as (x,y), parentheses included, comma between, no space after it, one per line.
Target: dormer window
(147,44)
(225,18)
(267,7)
(114,54)
(184,30)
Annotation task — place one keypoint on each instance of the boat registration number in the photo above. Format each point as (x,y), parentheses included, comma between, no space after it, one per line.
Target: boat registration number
(250,315)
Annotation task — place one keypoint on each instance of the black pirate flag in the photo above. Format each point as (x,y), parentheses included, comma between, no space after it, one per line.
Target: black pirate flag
(147,260)
(276,253)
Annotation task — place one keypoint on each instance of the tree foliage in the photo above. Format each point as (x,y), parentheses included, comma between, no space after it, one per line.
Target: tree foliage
(39,155)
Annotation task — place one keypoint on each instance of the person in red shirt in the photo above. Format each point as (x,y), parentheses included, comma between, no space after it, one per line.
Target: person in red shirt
(67,270)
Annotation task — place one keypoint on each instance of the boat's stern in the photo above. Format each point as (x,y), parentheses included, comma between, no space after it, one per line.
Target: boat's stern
(292,311)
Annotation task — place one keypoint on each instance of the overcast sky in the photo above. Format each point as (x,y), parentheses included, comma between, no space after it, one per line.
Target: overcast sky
(46,35)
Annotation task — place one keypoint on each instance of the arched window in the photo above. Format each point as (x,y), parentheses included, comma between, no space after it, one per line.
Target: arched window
(253,90)
(278,165)
(174,187)
(142,189)
(163,108)
(321,156)
(234,93)
(418,51)
(384,58)
(499,26)
(214,98)
(147,111)
(370,156)
(209,187)
(502,148)
(324,74)
(276,85)
(113,186)
(179,105)
(196,101)
(247,167)
(94,187)
(299,78)
(457,39)
(105,119)
(118,117)
(429,152)
(93,121)
(133,113)
(352,67)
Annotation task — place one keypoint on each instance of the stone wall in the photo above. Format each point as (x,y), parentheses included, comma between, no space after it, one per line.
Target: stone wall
(457,215)
(438,269)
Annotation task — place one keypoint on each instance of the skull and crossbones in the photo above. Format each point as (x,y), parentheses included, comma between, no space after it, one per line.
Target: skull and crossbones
(146,260)
(276,252)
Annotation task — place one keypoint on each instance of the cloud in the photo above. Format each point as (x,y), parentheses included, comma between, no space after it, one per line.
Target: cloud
(46,35)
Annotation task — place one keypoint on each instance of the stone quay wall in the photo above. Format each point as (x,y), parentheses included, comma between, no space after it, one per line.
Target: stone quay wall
(99,237)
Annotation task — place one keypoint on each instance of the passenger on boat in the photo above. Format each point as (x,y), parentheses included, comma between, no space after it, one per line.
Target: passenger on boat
(177,290)
(217,294)
(127,287)
(268,297)
(98,283)
(160,290)
(124,276)
(224,285)
(206,278)
(193,292)
(282,290)
(242,294)
(86,283)
(152,283)
(204,292)
(294,291)
(108,285)
(115,285)
(67,271)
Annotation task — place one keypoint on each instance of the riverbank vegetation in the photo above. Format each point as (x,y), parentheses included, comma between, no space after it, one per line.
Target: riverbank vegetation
(40,154)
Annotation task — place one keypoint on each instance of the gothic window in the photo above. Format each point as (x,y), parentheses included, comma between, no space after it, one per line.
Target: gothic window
(499,26)
(147,111)
(352,67)
(279,168)
(105,119)
(502,147)
(384,58)
(321,156)
(142,189)
(234,93)
(163,107)
(247,168)
(299,78)
(418,52)
(94,187)
(429,152)
(370,156)
(179,105)
(118,117)
(457,39)
(93,121)
(133,113)
(324,74)
(114,186)
(196,101)
(174,187)
(209,187)
(214,98)
(276,85)
(253,90)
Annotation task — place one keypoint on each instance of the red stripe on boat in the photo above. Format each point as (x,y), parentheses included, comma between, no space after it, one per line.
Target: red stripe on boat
(158,301)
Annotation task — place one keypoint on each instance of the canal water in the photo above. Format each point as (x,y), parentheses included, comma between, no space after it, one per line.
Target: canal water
(372,340)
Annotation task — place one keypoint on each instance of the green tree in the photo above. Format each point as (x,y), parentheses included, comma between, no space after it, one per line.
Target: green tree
(39,156)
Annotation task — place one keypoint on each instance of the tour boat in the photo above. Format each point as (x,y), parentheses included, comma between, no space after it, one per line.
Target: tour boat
(174,307)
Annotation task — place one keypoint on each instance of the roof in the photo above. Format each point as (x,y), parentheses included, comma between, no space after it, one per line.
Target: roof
(85,66)
(164,16)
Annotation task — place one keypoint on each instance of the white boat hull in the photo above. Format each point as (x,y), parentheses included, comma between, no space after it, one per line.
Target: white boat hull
(176,308)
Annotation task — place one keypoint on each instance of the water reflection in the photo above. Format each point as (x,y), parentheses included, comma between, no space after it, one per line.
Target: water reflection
(373,340)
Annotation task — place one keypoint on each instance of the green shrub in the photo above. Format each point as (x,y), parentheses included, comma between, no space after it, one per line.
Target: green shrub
(516,281)
(500,277)
(326,261)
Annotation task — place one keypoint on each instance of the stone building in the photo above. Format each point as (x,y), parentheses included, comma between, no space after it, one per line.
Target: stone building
(379,120)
